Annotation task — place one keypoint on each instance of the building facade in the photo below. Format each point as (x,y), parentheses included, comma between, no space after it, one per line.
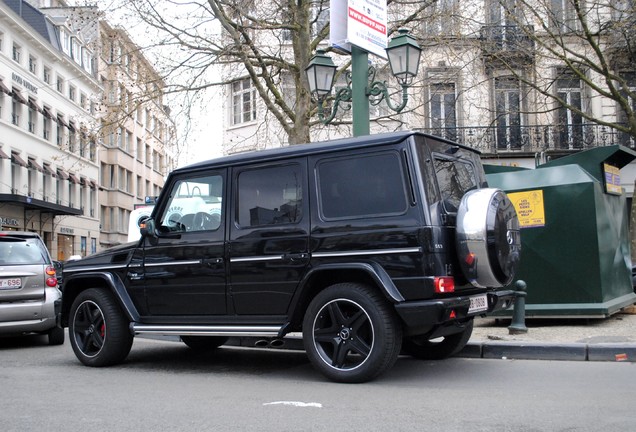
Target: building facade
(75,156)
(496,75)
(139,136)
(49,172)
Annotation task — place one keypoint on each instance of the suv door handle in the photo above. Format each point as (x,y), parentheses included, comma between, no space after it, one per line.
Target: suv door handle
(211,262)
(296,256)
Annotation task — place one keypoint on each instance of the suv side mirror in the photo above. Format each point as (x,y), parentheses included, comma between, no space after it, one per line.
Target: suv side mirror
(147,227)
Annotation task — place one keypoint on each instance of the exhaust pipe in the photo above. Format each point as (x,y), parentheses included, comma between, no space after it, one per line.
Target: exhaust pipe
(261,343)
(277,343)
(269,343)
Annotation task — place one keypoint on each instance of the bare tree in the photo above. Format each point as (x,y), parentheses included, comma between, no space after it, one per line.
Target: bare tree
(588,41)
(270,42)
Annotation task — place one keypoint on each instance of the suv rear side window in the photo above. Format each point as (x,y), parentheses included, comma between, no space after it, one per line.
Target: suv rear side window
(270,196)
(14,251)
(454,177)
(362,186)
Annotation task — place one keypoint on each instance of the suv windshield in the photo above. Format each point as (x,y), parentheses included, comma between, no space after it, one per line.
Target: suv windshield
(14,250)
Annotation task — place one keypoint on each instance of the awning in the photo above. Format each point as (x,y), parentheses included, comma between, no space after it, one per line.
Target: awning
(73,178)
(83,181)
(3,155)
(18,96)
(34,165)
(71,127)
(30,203)
(16,159)
(62,174)
(33,103)
(60,120)
(47,112)
(4,88)
(49,170)
(93,184)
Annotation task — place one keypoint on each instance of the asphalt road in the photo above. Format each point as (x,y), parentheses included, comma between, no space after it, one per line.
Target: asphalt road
(163,386)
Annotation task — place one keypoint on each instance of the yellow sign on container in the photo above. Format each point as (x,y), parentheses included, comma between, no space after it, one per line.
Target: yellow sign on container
(529,206)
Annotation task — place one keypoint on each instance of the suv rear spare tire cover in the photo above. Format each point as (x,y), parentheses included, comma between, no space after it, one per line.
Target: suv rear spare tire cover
(488,238)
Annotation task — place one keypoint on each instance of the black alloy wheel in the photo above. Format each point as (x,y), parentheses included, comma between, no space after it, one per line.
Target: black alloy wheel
(350,333)
(98,329)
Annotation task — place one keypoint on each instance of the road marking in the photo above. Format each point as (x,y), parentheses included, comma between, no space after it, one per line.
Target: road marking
(296,404)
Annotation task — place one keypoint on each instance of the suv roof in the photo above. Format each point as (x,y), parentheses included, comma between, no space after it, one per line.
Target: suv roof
(366,141)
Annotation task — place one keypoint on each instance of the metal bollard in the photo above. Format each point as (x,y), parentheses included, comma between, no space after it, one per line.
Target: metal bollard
(518,324)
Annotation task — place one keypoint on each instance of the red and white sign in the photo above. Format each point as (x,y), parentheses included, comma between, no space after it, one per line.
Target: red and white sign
(362,23)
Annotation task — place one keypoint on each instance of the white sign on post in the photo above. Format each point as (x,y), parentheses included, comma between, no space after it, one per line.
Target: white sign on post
(362,23)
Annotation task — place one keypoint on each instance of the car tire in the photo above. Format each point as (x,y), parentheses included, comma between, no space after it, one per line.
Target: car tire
(56,336)
(439,348)
(203,343)
(350,333)
(98,329)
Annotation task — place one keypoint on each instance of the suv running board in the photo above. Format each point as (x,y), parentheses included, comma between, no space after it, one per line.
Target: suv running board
(205,330)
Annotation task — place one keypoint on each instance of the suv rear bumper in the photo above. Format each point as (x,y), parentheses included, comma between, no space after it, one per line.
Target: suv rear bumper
(427,313)
(32,316)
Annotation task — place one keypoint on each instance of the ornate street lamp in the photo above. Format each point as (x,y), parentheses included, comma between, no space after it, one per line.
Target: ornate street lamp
(362,89)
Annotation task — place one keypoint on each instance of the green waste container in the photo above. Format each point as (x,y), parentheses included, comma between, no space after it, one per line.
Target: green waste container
(575,255)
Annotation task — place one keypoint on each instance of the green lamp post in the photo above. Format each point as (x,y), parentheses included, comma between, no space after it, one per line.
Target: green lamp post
(403,52)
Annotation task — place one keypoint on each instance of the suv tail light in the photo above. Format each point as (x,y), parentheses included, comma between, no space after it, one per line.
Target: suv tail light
(51,280)
(444,284)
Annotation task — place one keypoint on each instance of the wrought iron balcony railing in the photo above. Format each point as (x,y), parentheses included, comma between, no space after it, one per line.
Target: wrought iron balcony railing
(533,139)
(507,42)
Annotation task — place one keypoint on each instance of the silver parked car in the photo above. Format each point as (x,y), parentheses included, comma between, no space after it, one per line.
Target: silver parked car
(30,300)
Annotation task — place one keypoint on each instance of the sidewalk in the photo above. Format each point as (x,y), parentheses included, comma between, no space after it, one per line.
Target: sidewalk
(609,339)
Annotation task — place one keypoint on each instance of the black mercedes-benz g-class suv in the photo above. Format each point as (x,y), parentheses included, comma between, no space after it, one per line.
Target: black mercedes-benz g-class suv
(369,246)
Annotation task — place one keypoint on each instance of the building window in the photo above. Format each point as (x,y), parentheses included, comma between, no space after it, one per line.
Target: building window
(563,17)
(46,127)
(443,110)
(569,130)
(508,112)
(71,93)
(32,120)
(60,84)
(33,63)
(443,18)
(140,150)
(46,75)
(15,112)
(243,101)
(17,52)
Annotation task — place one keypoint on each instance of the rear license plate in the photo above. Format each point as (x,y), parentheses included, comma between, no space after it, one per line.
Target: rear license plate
(478,303)
(12,283)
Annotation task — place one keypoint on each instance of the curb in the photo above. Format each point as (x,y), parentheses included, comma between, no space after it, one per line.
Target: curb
(617,352)
(550,351)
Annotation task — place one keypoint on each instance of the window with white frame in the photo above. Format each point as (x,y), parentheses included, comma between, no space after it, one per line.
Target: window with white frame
(243,101)
(442,18)
(46,127)
(17,53)
(443,109)
(72,92)
(16,108)
(33,64)
(508,112)
(569,121)
(60,84)
(46,75)
(563,16)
